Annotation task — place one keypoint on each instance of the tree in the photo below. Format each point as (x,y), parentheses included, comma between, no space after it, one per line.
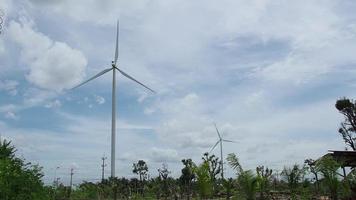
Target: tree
(214,167)
(134,185)
(187,177)
(351,177)
(293,176)
(141,169)
(263,179)
(19,179)
(328,168)
(106,188)
(347,128)
(86,190)
(123,188)
(155,184)
(163,177)
(313,169)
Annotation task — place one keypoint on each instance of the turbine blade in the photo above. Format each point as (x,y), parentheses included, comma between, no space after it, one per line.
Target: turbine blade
(229,141)
(217,130)
(214,146)
(130,77)
(92,78)
(117,43)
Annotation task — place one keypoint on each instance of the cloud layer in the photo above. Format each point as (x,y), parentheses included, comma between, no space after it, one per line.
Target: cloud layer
(267,72)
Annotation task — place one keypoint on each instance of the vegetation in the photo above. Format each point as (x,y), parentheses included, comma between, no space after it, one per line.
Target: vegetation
(264,180)
(20,180)
(347,128)
(141,169)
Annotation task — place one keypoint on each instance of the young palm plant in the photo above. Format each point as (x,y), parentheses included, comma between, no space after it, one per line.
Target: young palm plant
(204,182)
(246,180)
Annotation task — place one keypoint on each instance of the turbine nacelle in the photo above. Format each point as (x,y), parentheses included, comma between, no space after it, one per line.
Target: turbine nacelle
(221,139)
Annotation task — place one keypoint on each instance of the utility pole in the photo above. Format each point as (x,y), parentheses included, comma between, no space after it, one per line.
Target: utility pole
(71,178)
(55,182)
(71,181)
(103,168)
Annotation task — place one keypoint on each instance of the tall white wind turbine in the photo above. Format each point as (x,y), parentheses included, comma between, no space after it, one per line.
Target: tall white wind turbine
(220,141)
(113,68)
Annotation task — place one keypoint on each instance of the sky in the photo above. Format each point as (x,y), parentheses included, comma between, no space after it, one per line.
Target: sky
(268,73)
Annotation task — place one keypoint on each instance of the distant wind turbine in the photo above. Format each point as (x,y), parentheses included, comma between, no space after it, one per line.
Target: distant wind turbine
(220,140)
(113,68)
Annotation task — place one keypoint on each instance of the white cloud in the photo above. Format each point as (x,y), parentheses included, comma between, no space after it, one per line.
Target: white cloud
(54,104)
(99,99)
(164,155)
(36,97)
(9,86)
(308,62)
(7,107)
(52,65)
(11,115)
(101,12)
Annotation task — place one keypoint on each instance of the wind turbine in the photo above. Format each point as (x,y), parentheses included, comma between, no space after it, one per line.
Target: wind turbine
(113,68)
(220,141)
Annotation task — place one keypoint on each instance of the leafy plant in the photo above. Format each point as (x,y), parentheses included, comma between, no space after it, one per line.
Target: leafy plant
(228,187)
(263,179)
(204,182)
(347,128)
(293,176)
(313,169)
(187,177)
(214,168)
(141,169)
(328,167)
(246,180)
(163,180)
(247,185)
(234,163)
(19,179)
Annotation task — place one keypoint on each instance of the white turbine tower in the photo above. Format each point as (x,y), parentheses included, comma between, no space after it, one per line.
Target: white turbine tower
(220,141)
(113,68)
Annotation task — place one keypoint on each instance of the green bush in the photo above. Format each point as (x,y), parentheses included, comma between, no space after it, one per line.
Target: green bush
(18,179)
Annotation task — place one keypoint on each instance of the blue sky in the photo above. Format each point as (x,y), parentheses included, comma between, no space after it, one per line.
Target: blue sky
(267,72)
